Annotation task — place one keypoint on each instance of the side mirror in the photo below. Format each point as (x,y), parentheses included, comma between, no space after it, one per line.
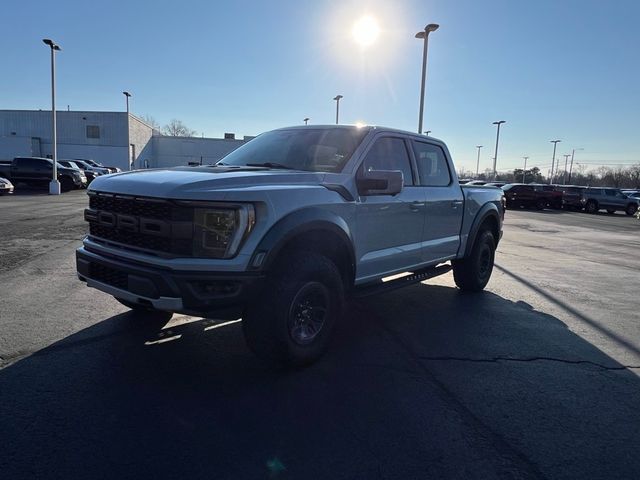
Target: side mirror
(380,182)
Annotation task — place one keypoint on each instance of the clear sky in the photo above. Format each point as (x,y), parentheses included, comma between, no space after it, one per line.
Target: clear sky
(553,69)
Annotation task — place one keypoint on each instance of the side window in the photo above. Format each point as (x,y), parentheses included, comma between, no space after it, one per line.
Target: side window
(610,193)
(389,153)
(432,165)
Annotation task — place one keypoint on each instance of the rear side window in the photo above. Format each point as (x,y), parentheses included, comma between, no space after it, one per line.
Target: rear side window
(389,153)
(433,168)
(595,191)
(610,193)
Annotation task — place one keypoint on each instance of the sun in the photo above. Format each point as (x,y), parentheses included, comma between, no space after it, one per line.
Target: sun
(365,31)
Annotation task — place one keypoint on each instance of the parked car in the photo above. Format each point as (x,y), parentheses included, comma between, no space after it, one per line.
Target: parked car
(476,182)
(83,176)
(632,193)
(521,195)
(90,175)
(5,186)
(554,197)
(496,184)
(38,171)
(331,211)
(571,195)
(93,163)
(90,168)
(610,199)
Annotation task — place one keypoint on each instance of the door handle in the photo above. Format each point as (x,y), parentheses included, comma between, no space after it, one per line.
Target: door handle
(416,206)
(456,203)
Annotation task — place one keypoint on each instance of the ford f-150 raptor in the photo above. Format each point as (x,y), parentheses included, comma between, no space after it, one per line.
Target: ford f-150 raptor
(285,228)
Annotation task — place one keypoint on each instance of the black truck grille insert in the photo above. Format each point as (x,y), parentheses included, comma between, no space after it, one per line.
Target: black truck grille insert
(148,224)
(107,275)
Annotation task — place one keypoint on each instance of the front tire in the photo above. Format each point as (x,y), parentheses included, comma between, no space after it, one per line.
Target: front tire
(472,273)
(291,323)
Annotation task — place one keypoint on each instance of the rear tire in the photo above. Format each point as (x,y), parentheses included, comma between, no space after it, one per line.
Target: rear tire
(591,207)
(472,273)
(611,212)
(631,209)
(291,323)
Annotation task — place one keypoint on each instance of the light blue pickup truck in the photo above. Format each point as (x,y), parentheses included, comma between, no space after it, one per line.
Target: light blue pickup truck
(286,228)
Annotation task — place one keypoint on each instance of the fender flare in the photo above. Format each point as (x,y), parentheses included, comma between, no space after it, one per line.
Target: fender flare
(299,222)
(488,210)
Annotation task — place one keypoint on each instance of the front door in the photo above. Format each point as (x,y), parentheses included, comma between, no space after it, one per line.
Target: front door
(389,228)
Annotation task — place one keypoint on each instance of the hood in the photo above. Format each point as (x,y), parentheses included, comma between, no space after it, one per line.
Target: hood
(193,182)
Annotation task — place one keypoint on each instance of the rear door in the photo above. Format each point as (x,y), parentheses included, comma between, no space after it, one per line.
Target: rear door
(389,228)
(444,202)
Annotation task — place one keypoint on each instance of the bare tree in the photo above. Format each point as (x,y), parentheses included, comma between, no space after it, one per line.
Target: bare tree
(175,128)
(152,122)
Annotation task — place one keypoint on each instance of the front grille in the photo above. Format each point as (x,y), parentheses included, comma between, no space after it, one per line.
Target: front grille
(132,206)
(108,275)
(139,240)
(150,224)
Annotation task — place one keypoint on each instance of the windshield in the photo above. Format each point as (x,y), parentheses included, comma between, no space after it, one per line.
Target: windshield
(313,149)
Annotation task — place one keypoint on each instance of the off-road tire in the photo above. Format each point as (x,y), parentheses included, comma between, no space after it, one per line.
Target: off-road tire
(631,209)
(472,273)
(274,324)
(591,207)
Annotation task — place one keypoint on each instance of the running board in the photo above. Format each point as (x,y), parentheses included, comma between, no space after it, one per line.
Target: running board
(415,277)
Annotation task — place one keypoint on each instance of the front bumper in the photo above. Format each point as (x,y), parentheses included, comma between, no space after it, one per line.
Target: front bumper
(192,293)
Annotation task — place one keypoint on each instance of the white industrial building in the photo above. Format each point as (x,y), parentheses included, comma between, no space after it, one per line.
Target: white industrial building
(115,139)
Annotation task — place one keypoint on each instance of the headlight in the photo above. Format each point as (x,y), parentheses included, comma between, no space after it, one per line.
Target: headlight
(218,232)
(76,175)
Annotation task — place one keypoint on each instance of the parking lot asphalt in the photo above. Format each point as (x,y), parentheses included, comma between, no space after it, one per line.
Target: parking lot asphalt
(537,377)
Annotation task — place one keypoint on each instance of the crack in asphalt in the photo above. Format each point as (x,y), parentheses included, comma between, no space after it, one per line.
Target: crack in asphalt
(529,359)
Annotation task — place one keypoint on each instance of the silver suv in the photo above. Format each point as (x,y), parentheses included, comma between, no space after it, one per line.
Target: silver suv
(610,199)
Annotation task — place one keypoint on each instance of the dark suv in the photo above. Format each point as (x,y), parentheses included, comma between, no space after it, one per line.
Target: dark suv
(519,195)
(571,196)
(610,199)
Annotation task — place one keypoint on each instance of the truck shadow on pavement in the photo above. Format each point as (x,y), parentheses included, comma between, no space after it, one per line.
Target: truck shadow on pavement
(424,382)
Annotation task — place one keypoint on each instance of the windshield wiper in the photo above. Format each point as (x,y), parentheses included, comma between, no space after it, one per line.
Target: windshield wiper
(271,165)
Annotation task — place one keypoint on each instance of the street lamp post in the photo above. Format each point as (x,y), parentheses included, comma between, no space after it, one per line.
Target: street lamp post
(127,95)
(432,27)
(564,174)
(306,120)
(54,185)
(524,170)
(571,167)
(495,158)
(427,132)
(553,160)
(478,161)
(337,99)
